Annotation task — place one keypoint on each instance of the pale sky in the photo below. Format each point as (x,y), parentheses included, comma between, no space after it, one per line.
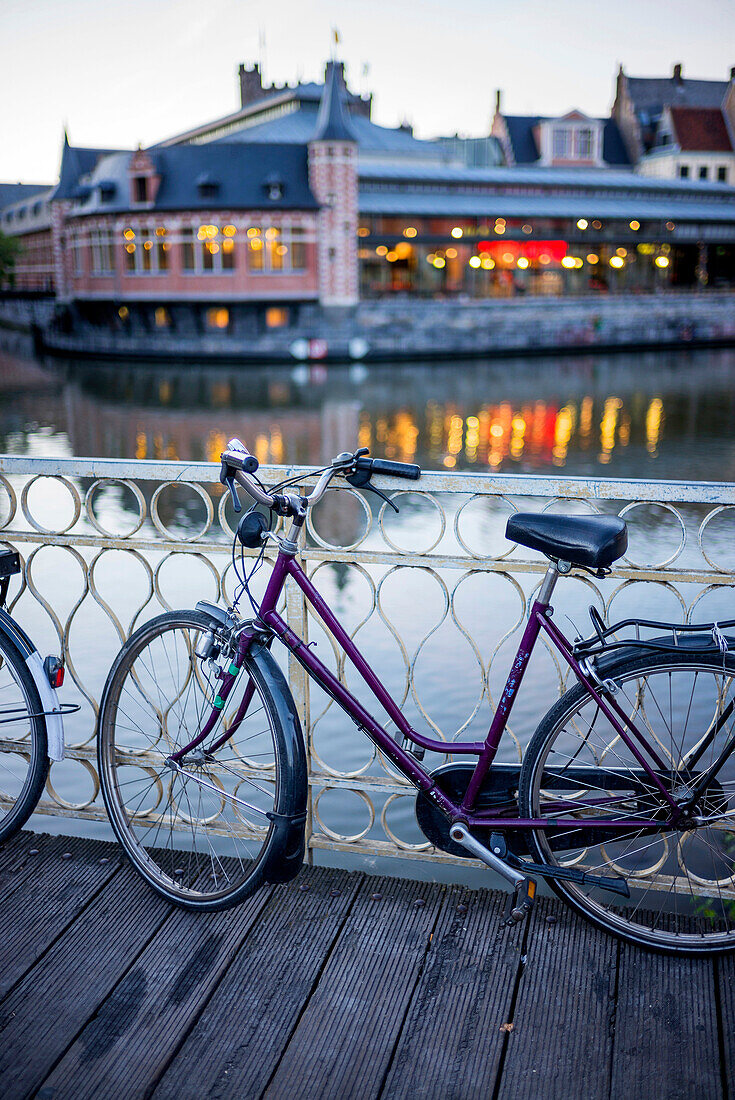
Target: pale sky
(136,71)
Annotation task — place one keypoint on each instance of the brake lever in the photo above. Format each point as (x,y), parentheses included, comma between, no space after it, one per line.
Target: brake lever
(361,480)
(230,483)
(381,494)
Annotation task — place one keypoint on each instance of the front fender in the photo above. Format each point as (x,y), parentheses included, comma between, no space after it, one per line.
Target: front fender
(289,823)
(49,699)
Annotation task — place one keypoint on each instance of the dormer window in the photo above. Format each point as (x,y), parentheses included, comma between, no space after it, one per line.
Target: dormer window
(569,140)
(207,186)
(140,189)
(273,187)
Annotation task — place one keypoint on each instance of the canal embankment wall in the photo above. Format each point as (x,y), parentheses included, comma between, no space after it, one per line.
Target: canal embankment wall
(405,329)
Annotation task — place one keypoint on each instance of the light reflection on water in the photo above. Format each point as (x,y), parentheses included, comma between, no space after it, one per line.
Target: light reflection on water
(667,416)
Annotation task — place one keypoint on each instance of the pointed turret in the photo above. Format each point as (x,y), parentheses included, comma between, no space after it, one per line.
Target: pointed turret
(333,122)
(333,181)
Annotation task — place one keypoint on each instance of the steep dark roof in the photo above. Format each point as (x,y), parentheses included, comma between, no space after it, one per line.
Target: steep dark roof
(332,122)
(652,94)
(700,130)
(75,163)
(241,171)
(16,192)
(520,132)
(522,141)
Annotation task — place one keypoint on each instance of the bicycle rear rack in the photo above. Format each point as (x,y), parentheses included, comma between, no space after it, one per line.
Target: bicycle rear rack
(677,636)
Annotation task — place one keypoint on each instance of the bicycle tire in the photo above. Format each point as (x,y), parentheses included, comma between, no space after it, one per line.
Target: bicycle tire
(24,759)
(200,837)
(682,881)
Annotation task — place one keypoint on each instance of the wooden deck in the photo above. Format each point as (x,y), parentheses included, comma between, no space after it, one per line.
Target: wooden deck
(337,985)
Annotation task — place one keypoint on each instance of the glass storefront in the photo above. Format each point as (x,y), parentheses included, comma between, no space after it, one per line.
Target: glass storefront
(506,257)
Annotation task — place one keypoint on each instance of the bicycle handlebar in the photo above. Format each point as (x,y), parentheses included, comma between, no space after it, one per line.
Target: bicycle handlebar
(238,465)
(385,466)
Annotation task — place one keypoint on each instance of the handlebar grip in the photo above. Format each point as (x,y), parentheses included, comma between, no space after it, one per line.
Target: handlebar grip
(394,469)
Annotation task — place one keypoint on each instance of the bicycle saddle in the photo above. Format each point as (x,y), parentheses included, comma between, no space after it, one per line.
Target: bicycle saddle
(593,541)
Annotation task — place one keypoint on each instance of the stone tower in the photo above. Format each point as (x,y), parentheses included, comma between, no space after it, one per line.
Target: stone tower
(333,181)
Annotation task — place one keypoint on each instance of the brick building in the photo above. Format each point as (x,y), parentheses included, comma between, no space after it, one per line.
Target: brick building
(298,202)
(674,127)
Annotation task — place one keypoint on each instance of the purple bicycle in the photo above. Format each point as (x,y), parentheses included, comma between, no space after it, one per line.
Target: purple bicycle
(623,802)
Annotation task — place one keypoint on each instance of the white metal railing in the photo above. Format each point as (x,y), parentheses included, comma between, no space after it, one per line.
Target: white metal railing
(436,594)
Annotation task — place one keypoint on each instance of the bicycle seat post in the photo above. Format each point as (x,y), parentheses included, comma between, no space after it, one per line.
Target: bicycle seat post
(556,569)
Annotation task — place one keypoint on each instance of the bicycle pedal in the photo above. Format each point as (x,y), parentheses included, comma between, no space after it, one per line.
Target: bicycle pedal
(522,903)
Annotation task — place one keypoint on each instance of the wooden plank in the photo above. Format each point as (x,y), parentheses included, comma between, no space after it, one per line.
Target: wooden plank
(665,1028)
(44,1013)
(48,899)
(143,1021)
(344,1040)
(725,986)
(451,1042)
(23,854)
(561,1042)
(238,1040)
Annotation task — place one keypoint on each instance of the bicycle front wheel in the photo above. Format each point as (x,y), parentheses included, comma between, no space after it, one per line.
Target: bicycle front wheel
(681,879)
(201,831)
(23,746)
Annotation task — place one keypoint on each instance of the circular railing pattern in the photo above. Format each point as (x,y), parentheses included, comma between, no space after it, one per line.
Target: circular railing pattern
(103,554)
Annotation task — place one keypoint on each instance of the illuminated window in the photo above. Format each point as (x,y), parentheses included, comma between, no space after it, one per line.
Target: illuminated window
(255,253)
(162,248)
(278,250)
(163,317)
(276,316)
(206,251)
(145,250)
(218,317)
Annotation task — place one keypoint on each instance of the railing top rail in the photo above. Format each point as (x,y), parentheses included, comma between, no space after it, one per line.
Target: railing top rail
(596,488)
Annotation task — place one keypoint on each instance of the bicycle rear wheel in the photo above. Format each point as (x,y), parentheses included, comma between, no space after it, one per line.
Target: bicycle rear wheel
(681,880)
(202,833)
(23,746)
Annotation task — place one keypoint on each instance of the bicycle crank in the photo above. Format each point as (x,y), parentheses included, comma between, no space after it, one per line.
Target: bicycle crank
(518,871)
(524,888)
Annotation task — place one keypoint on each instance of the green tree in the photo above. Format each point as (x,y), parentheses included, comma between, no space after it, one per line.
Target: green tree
(9,249)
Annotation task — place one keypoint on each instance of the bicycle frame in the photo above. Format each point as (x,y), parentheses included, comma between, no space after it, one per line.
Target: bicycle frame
(539,620)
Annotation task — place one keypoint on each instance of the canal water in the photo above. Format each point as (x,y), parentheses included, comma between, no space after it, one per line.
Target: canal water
(668,416)
(648,415)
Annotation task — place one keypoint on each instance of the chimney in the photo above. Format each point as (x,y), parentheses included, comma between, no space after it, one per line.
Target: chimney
(732,73)
(497,101)
(251,88)
(677,73)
